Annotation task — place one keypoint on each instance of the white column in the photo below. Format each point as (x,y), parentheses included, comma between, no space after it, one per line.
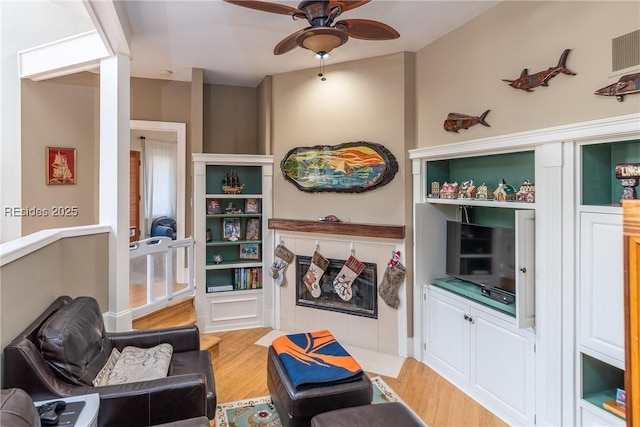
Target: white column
(114,184)
(10,130)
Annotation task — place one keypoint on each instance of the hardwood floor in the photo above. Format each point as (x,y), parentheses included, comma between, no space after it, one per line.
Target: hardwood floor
(240,370)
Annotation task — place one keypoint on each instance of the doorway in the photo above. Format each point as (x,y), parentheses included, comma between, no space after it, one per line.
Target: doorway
(134,196)
(165,131)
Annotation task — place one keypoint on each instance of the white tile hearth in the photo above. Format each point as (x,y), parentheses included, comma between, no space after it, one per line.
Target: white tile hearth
(371,361)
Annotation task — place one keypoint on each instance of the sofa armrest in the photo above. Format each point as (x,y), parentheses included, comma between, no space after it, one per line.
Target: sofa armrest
(182,338)
(151,402)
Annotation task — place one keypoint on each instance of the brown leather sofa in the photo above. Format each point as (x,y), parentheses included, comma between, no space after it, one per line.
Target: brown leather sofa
(60,353)
(17,409)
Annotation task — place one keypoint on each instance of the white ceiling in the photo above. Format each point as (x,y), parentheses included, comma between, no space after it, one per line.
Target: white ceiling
(234,45)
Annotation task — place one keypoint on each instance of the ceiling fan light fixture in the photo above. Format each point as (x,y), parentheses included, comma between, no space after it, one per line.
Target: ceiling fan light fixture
(323,39)
(322,43)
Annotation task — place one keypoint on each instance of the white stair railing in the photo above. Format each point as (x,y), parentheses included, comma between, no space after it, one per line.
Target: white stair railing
(163,247)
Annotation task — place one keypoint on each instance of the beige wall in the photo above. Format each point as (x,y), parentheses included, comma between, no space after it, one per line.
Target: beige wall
(462,71)
(231,119)
(360,101)
(31,283)
(58,113)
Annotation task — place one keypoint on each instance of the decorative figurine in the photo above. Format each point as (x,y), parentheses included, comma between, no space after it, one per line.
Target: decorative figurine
(504,192)
(472,191)
(456,121)
(528,81)
(435,190)
(484,192)
(467,190)
(231,209)
(217,258)
(449,190)
(527,192)
(231,183)
(627,85)
(628,174)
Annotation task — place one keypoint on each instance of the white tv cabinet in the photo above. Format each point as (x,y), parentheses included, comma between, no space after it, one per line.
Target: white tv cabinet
(577,358)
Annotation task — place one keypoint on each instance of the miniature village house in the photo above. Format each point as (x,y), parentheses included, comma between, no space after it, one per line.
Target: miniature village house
(449,190)
(467,190)
(484,192)
(504,192)
(527,192)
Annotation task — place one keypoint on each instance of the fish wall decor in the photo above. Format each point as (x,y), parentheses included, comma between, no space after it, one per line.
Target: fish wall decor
(626,85)
(528,81)
(456,121)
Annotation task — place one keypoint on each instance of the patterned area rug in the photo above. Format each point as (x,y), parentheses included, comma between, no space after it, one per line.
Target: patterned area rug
(260,412)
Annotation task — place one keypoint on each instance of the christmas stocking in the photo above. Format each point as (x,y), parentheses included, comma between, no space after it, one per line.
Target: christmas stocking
(393,278)
(317,268)
(282,257)
(343,281)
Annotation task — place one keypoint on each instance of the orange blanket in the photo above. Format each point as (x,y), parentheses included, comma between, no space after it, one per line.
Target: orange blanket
(316,358)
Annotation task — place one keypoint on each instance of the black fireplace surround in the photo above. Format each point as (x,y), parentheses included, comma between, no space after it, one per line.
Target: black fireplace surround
(365,289)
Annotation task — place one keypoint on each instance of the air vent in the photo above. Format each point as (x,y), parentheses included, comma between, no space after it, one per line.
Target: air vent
(625,51)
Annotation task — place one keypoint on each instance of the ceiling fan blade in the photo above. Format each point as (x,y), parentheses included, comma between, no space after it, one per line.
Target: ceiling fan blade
(288,43)
(266,6)
(347,4)
(367,29)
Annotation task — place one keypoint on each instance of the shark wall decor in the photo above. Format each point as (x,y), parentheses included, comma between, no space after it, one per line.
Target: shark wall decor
(457,121)
(626,85)
(528,81)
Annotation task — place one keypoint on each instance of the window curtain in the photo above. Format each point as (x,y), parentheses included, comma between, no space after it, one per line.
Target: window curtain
(160,179)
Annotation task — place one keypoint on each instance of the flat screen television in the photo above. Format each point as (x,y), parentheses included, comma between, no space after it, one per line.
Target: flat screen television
(484,255)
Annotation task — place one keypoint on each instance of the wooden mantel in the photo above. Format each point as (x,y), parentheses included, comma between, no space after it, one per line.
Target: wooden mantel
(343,228)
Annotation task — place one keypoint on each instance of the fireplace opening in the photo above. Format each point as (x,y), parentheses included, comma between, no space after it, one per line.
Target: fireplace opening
(365,289)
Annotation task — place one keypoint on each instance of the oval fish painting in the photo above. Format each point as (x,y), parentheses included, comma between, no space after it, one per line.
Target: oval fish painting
(353,167)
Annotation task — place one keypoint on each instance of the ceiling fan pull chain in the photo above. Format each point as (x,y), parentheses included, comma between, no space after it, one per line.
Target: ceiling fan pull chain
(321,73)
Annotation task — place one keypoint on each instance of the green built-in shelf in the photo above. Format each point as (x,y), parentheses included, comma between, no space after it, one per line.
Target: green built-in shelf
(600,380)
(514,168)
(473,292)
(600,187)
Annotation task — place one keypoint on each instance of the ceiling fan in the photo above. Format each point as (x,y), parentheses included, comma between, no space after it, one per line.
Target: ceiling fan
(324,33)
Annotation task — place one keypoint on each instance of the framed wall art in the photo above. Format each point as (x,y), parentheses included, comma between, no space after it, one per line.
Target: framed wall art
(61,165)
(353,167)
(213,206)
(252,206)
(253,229)
(231,229)
(249,251)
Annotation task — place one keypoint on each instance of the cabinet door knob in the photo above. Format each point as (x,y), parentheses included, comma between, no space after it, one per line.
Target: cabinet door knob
(472,320)
(466,317)
(523,269)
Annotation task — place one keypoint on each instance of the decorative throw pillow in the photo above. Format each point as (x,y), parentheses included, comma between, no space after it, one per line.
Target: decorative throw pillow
(103,375)
(141,364)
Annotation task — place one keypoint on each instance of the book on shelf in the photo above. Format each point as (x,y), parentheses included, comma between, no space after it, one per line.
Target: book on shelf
(247,278)
(219,288)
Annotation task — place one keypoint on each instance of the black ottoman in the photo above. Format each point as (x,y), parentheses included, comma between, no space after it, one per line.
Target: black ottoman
(297,407)
(380,415)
